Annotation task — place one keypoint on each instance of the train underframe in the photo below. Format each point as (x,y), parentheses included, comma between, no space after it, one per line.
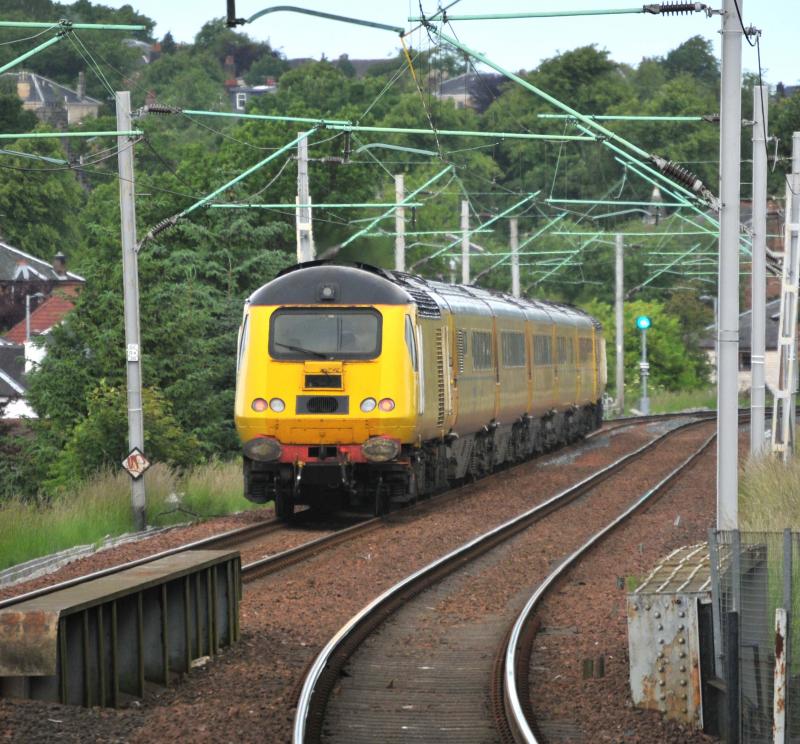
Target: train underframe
(334,483)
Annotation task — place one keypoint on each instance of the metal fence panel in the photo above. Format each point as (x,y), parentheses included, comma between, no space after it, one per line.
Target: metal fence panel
(755,574)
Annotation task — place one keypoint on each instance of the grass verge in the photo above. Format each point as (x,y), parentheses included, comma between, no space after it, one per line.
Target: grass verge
(768,490)
(101,507)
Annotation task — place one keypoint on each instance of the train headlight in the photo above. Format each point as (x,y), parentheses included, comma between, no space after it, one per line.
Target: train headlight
(277,405)
(386,405)
(368,405)
(259,405)
(264,449)
(380,449)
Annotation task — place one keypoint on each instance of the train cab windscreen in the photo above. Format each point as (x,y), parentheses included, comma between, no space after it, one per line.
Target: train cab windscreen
(325,333)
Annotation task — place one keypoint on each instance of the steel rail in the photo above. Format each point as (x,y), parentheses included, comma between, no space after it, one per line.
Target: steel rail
(288,557)
(324,671)
(224,538)
(279,561)
(515,665)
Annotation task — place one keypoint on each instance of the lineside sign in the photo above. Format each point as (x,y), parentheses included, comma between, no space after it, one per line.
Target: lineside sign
(136,463)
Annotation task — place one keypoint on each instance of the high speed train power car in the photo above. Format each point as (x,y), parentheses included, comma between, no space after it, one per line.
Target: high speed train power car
(362,386)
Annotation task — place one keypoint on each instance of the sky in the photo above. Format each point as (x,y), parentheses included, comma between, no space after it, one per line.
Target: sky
(513,44)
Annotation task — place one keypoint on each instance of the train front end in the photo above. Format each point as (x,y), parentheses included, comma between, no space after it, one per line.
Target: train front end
(326,395)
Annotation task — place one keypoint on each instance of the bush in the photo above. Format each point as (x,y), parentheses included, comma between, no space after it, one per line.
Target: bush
(100,441)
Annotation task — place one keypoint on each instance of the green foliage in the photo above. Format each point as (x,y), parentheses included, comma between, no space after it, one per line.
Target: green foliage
(96,441)
(190,77)
(694,57)
(222,42)
(13,117)
(99,507)
(194,277)
(671,366)
(39,209)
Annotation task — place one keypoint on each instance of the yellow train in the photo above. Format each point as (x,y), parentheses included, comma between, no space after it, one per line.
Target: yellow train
(357,385)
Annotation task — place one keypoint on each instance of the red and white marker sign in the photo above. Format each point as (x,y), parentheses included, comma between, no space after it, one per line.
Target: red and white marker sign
(135,463)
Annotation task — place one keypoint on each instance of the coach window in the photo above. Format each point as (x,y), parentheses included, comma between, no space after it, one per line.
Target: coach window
(410,342)
(481,350)
(513,347)
(542,350)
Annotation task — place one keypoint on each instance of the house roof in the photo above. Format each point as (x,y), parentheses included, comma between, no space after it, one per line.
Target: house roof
(773,307)
(50,313)
(45,91)
(12,368)
(18,266)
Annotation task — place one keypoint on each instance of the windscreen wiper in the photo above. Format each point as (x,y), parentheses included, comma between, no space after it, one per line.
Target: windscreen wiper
(301,350)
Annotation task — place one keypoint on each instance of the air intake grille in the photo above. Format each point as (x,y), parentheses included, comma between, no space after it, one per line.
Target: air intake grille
(440,381)
(322,404)
(426,305)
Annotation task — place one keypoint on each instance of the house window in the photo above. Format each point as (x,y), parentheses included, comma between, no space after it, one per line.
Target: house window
(745,363)
(241,101)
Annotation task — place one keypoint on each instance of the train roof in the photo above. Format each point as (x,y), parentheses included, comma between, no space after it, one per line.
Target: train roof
(360,283)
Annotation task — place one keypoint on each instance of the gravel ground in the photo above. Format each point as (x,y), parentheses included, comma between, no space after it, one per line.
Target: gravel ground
(585,618)
(425,675)
(247,692)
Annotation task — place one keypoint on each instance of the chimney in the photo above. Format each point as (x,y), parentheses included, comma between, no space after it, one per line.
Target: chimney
(81,85)
(60,265)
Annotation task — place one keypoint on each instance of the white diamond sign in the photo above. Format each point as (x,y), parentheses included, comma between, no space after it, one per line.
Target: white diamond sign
(135,463)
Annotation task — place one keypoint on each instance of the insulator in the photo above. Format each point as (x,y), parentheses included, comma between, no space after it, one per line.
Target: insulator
(680,174)
(161,226)
(161,108)
(673,8)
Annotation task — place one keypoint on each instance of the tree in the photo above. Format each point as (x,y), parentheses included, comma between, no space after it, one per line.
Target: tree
(222,42)
(671,365)
(39,211)
(270,65)
(694,57)
(189,78)
(61,62)
(13,117)
(99,440)
(168,45)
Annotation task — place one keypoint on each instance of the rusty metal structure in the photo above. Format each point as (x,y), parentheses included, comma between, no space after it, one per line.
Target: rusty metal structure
(667,616)
(103,641)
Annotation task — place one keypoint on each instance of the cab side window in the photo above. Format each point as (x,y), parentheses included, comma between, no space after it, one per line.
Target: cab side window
(411,343)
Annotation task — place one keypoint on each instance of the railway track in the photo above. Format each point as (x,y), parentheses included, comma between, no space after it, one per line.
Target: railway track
(515,715)
(324,674)
(271,564)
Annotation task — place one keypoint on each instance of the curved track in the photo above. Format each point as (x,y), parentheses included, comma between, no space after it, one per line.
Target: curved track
(511,684)
(326,669)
